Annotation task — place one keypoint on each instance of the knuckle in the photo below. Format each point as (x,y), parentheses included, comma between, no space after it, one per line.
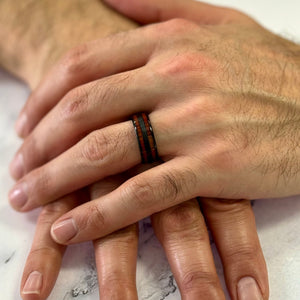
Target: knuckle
(198,280)
(75,103)
(178,25)
(97,218)
(44,251)
(96,146)
(233,207)
(183,217)
(74,62)
(243,252)
(152,193)
(181,66)
(138,192)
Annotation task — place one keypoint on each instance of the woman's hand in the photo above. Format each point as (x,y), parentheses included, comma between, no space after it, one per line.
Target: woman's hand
(183,235)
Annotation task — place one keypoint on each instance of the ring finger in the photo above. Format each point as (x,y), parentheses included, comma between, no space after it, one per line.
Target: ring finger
(84,109)
(183,234)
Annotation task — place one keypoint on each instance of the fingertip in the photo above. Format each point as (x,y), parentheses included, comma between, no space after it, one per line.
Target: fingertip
(21,126)
(18,196)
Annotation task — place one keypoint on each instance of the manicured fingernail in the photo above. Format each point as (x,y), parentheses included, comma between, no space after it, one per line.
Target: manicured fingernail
(64,231)
(33,284)
(17,166)
(21,124)
(18,195)
(248,289)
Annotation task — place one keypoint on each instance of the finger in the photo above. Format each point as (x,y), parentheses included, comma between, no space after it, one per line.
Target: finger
(85,63)
(102,153)
(87,108)
(145,11)
(149,192)
(234,231)
(183,235)
(44,260)
(116,254)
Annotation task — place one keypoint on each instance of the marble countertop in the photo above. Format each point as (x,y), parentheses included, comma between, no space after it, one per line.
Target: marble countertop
(278,221)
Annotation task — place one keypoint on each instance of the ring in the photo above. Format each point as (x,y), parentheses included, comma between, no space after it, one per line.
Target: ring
(146,139)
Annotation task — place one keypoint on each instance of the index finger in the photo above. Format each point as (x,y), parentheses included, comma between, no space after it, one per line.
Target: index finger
(85,63)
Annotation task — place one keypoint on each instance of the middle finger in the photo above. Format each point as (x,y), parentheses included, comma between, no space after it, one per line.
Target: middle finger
(82,110)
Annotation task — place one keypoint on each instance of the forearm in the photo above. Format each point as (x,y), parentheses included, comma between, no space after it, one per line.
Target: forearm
(35,33)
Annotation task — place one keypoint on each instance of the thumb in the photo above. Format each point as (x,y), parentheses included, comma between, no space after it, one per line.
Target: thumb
(152,11)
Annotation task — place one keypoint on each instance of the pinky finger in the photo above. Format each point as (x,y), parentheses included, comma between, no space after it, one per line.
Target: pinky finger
(44,260)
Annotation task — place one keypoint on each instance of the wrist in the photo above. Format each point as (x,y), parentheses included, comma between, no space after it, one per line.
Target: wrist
(37,33)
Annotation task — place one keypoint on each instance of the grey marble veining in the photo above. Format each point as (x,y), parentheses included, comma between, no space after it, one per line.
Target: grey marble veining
(278,221)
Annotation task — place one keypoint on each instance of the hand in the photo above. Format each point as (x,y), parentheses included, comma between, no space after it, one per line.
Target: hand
(218,119)
(44,30)
(183,235)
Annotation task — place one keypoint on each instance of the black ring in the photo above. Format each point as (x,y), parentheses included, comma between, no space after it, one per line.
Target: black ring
(146,139)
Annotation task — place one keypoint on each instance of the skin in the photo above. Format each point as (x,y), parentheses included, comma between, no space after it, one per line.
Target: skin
(235,119)
(180,229)
(46,29)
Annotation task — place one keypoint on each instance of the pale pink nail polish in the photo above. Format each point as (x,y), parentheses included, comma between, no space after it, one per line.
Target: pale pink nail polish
(20,125)
(33,284)
(17,166)
(248,289)
(64,231)
(18,195)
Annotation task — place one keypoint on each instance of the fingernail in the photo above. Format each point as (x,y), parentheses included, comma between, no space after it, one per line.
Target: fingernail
(248,289)
(17,166)
(18,195)
(21,124)
(64,231)
(33,284)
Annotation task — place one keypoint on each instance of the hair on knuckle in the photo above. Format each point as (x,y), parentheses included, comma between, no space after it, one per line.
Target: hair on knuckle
(139,192)
(75,103)
(97,218)
(96,146)
(74,62)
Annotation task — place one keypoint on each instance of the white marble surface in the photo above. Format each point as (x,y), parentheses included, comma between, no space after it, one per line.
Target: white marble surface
(278,220)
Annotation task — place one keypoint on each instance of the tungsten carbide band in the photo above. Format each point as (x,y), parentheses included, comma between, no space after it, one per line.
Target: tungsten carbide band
(146,139)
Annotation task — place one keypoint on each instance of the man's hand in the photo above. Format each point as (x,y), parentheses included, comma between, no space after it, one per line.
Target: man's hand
(222,101)
(35,33)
